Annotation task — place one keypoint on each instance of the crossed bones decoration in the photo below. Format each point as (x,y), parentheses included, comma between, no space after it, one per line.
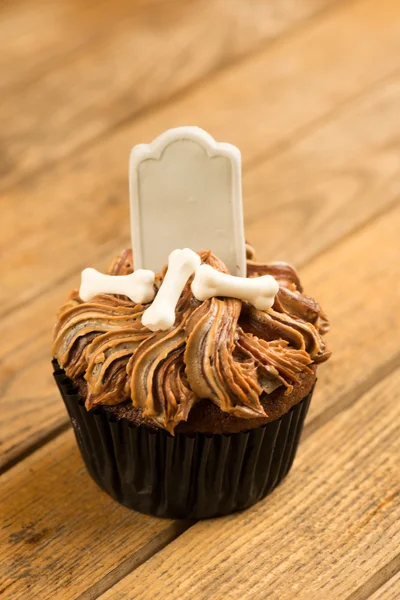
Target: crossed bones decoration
(182,264)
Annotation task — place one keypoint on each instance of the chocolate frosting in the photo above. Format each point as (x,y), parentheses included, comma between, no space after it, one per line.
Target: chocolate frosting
(222,349)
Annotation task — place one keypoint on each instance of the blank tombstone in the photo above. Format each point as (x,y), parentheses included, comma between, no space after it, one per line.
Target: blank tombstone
(185,192)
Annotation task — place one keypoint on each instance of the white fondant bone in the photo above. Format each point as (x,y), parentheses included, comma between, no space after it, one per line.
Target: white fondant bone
(161,314)
(138,286)
(259,291)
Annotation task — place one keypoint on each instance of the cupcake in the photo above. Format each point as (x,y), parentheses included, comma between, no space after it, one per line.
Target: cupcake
(200,419)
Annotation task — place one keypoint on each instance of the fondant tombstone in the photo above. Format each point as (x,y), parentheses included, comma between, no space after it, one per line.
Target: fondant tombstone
(185,191)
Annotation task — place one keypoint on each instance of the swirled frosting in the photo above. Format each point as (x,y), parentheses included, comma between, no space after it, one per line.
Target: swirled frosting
(221,349)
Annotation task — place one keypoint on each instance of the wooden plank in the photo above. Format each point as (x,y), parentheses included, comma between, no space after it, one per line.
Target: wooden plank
(147,52)
(328,528)
(264,116)
(61,533)
(389,591)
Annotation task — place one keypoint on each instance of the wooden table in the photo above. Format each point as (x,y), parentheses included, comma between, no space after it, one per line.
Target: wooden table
(310,92)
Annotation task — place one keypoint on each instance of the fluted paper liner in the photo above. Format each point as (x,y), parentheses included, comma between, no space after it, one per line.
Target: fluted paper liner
(191,477)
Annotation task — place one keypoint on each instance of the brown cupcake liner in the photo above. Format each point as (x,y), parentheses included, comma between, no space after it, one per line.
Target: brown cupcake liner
(190,477)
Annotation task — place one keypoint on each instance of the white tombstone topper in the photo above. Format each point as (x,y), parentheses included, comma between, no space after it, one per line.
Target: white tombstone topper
(185,192)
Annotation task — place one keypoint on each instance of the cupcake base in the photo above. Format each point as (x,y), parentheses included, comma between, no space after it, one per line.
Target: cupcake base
(187,476)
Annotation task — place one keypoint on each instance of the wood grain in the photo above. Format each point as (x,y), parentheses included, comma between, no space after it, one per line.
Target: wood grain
(44,474)
(316,116)
(80,205)
(61,533)
(333,521)
(146,53)
(324,195)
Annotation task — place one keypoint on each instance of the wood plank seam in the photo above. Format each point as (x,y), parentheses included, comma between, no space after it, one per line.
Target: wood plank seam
(182,92)
(136,560)
(102,256)
(297,564)
(391,206)
(36,445)
(377,580)
(389,590)
(48,530)
(350,398)
(312,126)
